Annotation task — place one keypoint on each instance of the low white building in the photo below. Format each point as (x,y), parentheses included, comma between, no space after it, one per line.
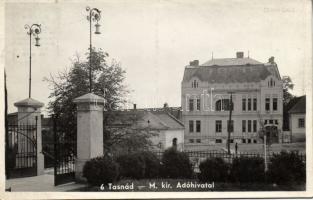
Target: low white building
(297,120)
(166,129)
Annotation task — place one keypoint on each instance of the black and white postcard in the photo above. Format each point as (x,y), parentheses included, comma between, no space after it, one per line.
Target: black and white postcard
(156,99)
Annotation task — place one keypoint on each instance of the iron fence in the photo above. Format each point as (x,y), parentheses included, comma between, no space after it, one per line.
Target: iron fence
(196,157)
(21,153)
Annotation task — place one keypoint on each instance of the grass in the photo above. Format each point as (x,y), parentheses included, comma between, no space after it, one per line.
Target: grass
(143,186)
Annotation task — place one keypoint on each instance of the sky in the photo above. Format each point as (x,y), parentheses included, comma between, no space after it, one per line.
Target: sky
(154,40)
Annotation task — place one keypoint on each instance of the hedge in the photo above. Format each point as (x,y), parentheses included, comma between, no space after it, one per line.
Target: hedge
(176,164)
(247,169)
(138,165)
(286,168)
(100,170)
(213,169)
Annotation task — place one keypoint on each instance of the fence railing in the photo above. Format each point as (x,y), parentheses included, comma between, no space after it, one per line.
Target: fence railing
(196,157)
(21,152)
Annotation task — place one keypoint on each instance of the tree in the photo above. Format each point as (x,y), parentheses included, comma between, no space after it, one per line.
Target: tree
(288,100)
(287,86)
(107,81)
(132,134)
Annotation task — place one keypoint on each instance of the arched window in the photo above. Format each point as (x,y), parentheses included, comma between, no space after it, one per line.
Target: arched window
(222,105)
(194,84)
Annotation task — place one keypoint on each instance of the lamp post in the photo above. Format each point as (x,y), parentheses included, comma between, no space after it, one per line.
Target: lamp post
(94,15)
(33,31)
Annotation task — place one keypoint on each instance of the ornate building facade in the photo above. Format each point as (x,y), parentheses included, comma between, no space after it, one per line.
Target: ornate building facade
(256,92)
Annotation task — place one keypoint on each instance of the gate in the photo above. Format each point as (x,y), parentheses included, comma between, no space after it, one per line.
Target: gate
(21,151)
(64,154)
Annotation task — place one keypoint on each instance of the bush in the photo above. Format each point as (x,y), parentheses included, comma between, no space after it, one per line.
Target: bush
(286,168)
(213,169)
(152,164)
(131,166)
(176,164)
(100,170)
(247,169)
(139,165)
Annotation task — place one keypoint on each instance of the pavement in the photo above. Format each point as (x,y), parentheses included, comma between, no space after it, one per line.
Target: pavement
(41,183)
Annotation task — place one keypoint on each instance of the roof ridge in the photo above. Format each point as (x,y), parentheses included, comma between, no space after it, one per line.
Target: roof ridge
(233,60)
(174,118)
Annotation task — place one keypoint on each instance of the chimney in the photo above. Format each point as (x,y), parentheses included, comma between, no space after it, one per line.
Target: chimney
(194,63)
(135,106)
(239,54)
(271,60)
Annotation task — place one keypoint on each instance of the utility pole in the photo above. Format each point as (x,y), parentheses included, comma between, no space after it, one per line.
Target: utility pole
(229,122)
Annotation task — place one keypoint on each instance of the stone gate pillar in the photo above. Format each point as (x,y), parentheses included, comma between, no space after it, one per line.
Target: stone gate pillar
(89,130)
(28,110)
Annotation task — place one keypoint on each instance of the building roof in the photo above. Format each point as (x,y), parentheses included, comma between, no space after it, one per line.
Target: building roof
(231,62)
(169,120)
(158,120)
(222,74)
(230,70)
(175,111)
(299,107)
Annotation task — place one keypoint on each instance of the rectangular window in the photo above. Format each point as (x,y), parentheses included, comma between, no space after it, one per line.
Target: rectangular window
(249,126)
(218,141)
(230,126)
(191,104)
(198,104)
(270,121)
(218,126)
(254,126)
(254,141)
(244,126)
(190,126)
(301,123)
(191,140)
(198,140)
(243,104)
(249,104)
(275,104)
(249,140)
(243,140)
(198,126)
(255,107)
(267,104)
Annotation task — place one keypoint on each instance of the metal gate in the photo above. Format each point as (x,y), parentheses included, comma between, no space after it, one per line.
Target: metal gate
(21,151)
(64,154)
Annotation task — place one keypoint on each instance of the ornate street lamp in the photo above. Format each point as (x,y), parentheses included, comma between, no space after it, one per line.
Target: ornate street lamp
(33,31)
(94,15)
